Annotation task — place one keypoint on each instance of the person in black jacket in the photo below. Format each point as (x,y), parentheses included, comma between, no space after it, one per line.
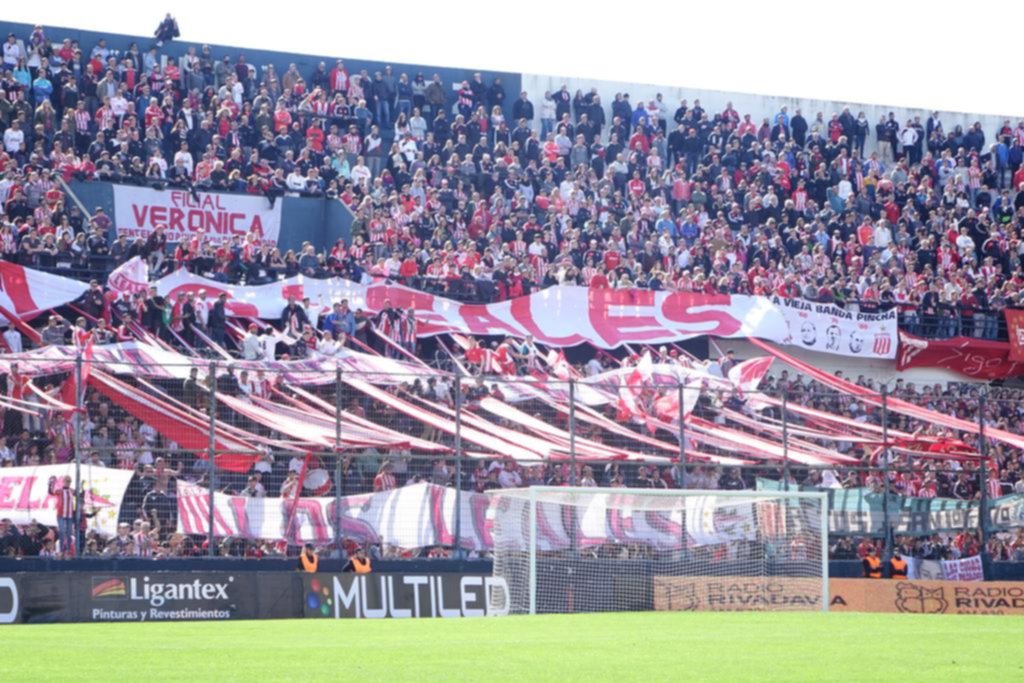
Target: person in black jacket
(218,320)
(798,127)
(167,30)
(293,317)
(522,108)
(92,301)
(153,313)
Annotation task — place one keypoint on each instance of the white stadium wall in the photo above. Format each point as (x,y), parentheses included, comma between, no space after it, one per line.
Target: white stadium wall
(758,106)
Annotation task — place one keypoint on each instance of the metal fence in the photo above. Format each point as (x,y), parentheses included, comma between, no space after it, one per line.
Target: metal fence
(401,464)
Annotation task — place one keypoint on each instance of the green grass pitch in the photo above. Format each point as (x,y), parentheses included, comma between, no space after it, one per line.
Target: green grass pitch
(660,646)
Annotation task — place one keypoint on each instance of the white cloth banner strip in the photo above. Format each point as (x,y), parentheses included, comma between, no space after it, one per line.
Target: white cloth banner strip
(567,316)
(415,516)
(26,292)
(25,494)
(423,515)
(138,211)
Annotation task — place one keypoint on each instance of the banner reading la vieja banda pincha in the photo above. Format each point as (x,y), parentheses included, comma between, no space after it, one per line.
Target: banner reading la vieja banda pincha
(138,211)
(567,316)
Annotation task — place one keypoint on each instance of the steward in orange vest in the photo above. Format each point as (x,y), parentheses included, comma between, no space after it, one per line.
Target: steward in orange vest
(359,563)
(872,566)
(308,559)
(897,567)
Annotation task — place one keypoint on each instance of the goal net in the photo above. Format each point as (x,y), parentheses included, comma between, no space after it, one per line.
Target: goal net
(597,550)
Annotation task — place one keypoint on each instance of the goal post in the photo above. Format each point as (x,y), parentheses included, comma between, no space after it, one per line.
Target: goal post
(586,549)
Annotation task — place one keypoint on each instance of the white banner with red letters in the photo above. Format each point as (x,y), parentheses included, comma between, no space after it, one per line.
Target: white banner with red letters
(132,277)
(138,211)
(423,515)
(415,516)
(967,569)
(26,293)
(25,494)
(567,316)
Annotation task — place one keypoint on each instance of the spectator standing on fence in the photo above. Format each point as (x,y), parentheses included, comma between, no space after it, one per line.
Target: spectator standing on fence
(65,496)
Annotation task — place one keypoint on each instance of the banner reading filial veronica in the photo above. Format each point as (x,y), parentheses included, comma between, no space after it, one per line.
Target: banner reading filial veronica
(138,211)
(567,316)
(25,494)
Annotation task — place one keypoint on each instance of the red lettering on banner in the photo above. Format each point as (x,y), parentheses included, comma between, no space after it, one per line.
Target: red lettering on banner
(174,223)
(427,320)
(8,486)
(522,313)
(314,514)
(240,512)
(25,502)
(176,220)
(400,297)
(358,530)
(661,521)
(677,305)
(479,320)
(238,309)
(629,324)
(442,535)
(14,282)
(479,505)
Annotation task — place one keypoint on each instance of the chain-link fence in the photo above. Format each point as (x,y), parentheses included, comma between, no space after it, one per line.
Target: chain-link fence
(400,464)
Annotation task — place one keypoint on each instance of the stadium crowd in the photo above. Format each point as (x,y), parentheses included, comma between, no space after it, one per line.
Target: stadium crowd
(479,193)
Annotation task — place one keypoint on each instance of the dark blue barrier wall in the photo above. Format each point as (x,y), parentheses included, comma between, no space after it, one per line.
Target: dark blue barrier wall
(230,564)
(320,221)
(838,569)
(305,63)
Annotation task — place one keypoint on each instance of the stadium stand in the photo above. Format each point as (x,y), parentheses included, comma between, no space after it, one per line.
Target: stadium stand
(467,190)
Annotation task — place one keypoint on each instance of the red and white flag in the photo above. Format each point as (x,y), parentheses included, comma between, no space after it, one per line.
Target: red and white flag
(26,293)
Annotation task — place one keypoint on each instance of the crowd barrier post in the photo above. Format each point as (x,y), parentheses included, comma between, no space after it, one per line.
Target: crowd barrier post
(337,459)
(212,451)
(79,494)
(682,437)
(785,440)
(983,519)
(886,528)
(572,432)
(456,541)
